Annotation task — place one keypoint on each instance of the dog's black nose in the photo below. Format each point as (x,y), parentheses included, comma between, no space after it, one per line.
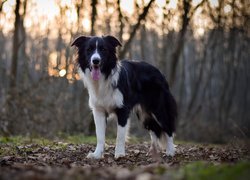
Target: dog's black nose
(96,61)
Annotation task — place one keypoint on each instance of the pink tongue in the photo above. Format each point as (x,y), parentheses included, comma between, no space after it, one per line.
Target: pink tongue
(95,73)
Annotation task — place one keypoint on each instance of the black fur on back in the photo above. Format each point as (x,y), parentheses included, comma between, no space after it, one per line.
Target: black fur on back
(143,84)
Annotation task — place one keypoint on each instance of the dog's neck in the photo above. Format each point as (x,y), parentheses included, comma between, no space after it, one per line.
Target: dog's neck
(115,72)
(95,86)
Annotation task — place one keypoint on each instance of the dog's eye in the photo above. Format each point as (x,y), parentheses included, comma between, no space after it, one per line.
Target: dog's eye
(102,49)
(90,49)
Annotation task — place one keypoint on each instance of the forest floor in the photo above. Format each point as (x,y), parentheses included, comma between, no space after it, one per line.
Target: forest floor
(22,158)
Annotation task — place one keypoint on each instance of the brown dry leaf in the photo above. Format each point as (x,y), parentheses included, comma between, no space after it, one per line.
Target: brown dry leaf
(70,162)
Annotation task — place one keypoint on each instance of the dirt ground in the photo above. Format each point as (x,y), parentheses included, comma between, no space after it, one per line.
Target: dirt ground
(68,161)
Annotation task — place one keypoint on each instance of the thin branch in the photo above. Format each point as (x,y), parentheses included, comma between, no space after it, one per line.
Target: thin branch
(196,7)
(1,5)
(135,28)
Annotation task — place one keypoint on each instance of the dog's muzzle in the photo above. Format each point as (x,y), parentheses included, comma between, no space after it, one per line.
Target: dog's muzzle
(95,69)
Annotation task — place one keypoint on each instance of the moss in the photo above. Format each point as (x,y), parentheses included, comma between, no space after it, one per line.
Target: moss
(64,138)
(160,170)
(204,170)
(80,139)
(24,140)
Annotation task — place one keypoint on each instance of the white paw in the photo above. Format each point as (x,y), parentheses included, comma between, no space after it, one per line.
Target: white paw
(94,155)
(170,151)
(119,155)
(119,151)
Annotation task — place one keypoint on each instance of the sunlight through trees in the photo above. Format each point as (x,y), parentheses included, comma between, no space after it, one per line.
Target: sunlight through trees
(202,46)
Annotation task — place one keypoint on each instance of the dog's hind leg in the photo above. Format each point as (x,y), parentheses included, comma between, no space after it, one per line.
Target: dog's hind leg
(162,132)
(153,150)
(155,132)
(170,148)
(166,138)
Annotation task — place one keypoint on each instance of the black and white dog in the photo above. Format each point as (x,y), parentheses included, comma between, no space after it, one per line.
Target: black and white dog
(118,87)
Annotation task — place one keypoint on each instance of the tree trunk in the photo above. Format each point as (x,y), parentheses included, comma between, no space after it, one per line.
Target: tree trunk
(93,17)
(15,48)
(197,85)
(23,62)
(143,43)
(186,16)
(107,17)
(121,24)
(79,6)
(180,42)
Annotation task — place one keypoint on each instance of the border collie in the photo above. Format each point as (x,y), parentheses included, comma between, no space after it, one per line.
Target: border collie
(118,87)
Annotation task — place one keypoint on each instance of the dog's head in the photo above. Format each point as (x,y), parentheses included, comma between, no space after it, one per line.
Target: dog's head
(98,54)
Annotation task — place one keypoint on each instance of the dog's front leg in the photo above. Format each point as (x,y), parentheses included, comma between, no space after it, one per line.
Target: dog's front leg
(120,141)
(100,126)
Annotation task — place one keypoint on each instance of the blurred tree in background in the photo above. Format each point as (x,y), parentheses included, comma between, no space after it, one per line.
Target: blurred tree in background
(202,46)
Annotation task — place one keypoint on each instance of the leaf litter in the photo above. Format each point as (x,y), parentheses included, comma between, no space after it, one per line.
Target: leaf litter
(68,161)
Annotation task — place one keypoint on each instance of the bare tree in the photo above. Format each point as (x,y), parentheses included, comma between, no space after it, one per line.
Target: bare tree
(141,17)
(93,16)
(23,41)
(15,48)
(107,17)
(120,19)
(79,6)
(186,16)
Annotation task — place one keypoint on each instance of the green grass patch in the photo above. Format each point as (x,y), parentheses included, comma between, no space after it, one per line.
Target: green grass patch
(80,139)
(64,138)
(204,170)
(24,140)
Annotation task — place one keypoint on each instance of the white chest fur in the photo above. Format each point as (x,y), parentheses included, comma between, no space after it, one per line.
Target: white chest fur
(102,94)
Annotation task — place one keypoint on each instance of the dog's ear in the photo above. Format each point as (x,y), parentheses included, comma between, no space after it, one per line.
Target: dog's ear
(112,40)
(78,42)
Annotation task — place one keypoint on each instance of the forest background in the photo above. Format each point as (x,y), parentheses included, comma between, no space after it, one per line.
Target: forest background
(201,46)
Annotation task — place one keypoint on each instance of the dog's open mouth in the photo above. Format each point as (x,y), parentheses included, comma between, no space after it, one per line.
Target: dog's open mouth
(95,72)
